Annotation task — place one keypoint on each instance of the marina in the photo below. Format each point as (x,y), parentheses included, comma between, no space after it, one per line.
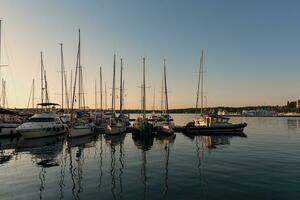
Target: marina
(145,100)
(130,166)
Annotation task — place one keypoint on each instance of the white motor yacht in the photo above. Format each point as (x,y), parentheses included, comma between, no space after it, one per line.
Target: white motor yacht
(42,125)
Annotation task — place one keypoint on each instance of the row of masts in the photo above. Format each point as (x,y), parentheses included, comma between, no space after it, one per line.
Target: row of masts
(68,98)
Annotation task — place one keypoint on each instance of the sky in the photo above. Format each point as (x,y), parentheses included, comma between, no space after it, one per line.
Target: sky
(252,48)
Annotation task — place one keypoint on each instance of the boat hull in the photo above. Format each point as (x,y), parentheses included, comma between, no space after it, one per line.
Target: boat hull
(7,130)
(115,130)
(79,132)
(226,129)
(164,130)
(40,133)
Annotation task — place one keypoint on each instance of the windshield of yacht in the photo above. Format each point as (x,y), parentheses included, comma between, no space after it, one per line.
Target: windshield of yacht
(41,120)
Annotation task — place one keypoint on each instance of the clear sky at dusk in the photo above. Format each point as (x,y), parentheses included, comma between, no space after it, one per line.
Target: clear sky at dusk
(252,48)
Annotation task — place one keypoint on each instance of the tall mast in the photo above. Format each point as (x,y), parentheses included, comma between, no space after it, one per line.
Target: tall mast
(162,95)
(144,90)
(200,85)
(71,86)
(79,78)
(123,95)
(3,92)
(121,87)
(202,62)
(105,97)
(46,87)
(62,75)
(101,102)
(95,94)
(166,88)
(75,77)
(113,88)
(0,50)
(42,78)
(0,41)
(153,106)
(33,93)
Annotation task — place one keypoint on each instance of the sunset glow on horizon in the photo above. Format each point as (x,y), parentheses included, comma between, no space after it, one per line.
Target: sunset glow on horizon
(247,48)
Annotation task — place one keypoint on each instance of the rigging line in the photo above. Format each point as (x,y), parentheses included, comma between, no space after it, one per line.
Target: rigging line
(76,68)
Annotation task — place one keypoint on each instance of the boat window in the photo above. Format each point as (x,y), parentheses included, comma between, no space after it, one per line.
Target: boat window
(41,120)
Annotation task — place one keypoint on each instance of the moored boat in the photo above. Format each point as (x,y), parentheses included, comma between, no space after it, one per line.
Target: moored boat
(210,123)
(214,124)
(42,125)
(116,125)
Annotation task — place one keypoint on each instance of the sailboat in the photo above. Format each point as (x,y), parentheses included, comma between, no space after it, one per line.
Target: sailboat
(163,124)
(124,118)
(82,124)
(142,124)
(115,126)
(101,120)
(47,123)
(210,123)
(66,117)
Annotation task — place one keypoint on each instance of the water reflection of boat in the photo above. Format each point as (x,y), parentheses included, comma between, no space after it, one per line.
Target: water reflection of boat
(116,174)
(143,141)
(76,172)
(40,143)
(44,153)
(114,140)
(7,146)
(212,141)
(84,141)
(8,143)
(166,141)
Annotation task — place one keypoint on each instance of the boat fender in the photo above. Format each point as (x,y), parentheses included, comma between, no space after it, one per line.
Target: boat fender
(48,129)
(57,129)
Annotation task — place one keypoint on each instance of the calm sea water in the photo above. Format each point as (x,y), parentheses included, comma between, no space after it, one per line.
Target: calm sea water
(263,165)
